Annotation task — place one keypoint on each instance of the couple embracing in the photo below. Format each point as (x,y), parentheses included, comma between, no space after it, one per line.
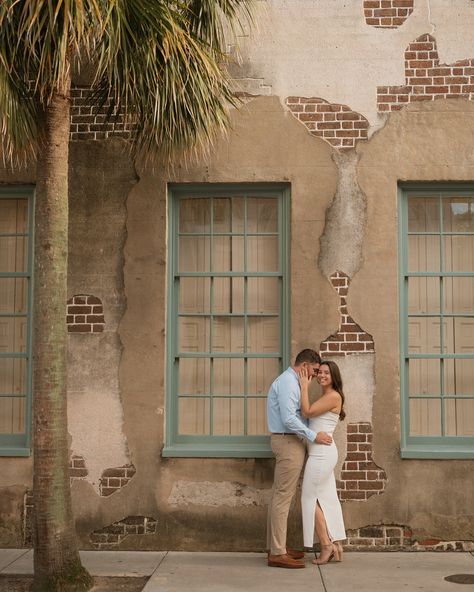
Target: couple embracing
(294,438)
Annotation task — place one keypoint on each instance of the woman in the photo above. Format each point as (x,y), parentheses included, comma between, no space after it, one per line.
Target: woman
(319,496)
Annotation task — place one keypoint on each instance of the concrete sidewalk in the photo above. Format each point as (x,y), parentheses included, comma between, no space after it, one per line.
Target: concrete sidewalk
(174,571)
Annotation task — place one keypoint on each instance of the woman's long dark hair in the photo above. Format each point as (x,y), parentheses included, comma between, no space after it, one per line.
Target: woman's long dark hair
(336,380)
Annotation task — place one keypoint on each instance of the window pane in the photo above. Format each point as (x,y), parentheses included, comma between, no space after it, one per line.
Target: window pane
(423,253)
(194,334)
(262,253)
(459,415)
(193,416)
(13,295)
(194,376)
(228,417)
(262,215)
(458,214)
(257,416)
(12,415)
(222,208)
(14,254)
(263,335)
(459,377)
(228,335)
(423,295)
(263,295)
(238,214)
(194,295)
(13,376)
(194,253)
(228,376)
(424,377)
(194,215)
(424,335)
(459,253)
(13,334)
(228,295)
(463,335)
(458,294)
(425,417)
(13,215)
(423,214)
(261,373)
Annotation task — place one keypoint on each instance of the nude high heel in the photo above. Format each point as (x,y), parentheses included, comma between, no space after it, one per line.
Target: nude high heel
(339,551)
(327,553)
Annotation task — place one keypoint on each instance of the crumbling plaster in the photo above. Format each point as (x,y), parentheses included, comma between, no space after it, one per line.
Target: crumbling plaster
(96,237)
(325,49)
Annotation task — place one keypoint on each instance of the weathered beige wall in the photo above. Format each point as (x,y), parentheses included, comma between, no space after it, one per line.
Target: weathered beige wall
(427,142)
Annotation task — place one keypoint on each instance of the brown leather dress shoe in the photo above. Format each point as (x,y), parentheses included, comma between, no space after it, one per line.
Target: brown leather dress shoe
(284,561)
(295,554)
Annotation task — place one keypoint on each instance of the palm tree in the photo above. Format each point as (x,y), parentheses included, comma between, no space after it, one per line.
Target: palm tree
(160,64)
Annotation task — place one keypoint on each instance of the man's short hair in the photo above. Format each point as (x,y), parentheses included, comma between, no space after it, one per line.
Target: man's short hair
(308,355)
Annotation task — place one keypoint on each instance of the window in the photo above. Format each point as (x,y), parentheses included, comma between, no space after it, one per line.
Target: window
(16,262)
(437,321)
(227,330)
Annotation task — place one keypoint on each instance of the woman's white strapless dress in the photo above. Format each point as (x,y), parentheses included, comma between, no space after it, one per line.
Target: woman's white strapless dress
(319,483)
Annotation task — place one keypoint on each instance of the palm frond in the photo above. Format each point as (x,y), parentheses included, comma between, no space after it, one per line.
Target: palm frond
(162,75)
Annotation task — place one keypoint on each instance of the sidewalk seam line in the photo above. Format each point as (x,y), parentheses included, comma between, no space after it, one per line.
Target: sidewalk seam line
(322,579)
(14,560)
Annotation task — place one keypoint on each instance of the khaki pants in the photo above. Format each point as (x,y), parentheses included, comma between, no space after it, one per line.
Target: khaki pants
(290,454)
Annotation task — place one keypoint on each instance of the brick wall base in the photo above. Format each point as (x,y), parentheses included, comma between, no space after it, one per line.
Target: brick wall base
(393,537)
(111,536)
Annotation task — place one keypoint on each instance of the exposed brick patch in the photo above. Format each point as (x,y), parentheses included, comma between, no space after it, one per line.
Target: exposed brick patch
(426,79)
(89,124)
(350,338)
(394,537)
(85,314)
(115,478)
(387,14)
(360,476)
(333,122)
(77,468)
(111,536)
(28,524)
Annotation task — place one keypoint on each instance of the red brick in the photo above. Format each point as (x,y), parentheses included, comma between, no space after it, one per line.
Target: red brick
(364,428)
(359,456)
(69,318)
(353,475)
(329,108)
(79,328)
(328,125)
(316,100)
(437,89)
(72,309)
(353,346)
(352,485)
(357,437)
(371,3)
(351,447)
(353,495)
(293,100)
(79,300)
(351,466)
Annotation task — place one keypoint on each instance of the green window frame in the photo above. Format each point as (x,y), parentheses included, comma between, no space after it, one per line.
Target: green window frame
(431,284)
(17,361)
(243,444)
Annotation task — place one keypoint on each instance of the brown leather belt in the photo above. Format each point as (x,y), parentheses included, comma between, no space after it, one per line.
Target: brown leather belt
(283,434)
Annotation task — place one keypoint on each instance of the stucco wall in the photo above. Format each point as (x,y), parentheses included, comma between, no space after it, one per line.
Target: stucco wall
(343,219)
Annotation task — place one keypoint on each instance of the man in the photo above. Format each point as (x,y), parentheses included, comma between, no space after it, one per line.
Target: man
(288,434)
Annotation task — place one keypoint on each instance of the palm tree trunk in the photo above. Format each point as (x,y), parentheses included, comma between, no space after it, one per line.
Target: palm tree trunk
(57,565)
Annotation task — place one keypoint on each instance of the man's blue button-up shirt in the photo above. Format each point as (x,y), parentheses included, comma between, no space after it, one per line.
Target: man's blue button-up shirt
(284,407)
